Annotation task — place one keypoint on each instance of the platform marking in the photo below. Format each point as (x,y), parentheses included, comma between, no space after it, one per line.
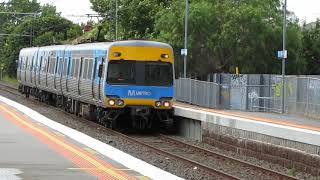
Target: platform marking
(91,160)
(10,174)
(115,154)
(90,150)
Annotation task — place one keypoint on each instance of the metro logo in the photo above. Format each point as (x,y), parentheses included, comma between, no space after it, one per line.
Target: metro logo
(138,93)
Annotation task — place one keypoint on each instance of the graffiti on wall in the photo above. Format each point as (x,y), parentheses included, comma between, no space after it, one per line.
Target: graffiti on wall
(238,91)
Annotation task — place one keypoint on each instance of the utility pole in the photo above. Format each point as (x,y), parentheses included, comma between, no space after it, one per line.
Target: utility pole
(284,55)
(185,40)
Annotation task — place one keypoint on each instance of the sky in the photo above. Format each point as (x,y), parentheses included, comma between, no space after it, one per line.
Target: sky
(308,10)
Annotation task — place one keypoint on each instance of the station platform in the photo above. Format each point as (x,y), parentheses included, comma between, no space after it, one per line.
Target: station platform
(289,120)
(34,147)
(284,130)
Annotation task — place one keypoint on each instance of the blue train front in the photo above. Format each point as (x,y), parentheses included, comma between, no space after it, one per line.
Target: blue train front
(139,86)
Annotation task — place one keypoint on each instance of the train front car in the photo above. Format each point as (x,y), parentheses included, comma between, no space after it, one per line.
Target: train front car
(139,84)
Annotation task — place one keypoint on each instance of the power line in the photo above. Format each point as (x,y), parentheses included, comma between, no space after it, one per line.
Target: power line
(20,13)
(22,35)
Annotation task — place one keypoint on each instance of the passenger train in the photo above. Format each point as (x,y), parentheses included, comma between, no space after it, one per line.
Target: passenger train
(124,83)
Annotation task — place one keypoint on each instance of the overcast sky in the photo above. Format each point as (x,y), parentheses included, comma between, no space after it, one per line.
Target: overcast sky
(304,9)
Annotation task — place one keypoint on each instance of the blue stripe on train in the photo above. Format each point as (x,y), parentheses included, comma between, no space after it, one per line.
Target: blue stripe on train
(136,92)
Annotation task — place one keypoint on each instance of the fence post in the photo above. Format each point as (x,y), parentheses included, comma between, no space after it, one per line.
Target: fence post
(190,98)
(307,88)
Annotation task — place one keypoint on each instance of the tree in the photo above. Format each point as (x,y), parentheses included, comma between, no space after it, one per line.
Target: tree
(311,47)
(136,18)
(49,27)
(228,34)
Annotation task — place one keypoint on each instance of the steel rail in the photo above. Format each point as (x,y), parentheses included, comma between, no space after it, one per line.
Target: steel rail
(206,151)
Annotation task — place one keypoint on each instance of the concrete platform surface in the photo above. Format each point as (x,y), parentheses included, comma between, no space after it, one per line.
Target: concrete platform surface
(39,149)
(279,119)
(283,130)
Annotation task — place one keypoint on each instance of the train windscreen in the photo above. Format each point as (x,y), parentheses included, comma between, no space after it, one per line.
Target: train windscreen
(147,73)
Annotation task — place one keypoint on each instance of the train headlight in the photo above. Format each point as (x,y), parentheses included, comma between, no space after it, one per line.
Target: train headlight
(158,103)
(117,54)
(111,102)
(120,102)
(166,104)
(165,56)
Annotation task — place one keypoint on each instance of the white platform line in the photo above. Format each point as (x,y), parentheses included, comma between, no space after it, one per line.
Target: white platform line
(107,150)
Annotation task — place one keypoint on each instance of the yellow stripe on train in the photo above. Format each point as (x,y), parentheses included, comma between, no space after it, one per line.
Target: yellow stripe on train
(141,53)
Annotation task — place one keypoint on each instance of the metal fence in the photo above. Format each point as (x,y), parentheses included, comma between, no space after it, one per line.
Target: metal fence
(259,93)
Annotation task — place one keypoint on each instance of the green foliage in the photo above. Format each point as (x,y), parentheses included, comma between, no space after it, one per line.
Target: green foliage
(48,27)
(10,80)
(222,34)
(136,18)
(228,34)
(311,47)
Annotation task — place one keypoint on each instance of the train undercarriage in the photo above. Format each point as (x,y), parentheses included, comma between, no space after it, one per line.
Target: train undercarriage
(133,117)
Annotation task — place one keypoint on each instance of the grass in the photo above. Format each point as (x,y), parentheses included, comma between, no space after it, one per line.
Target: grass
(10,80)
(292,172)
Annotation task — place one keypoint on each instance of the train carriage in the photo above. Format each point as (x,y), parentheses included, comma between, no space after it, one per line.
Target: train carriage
(131,81)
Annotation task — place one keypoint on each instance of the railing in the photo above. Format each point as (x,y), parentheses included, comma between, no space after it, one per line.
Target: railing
(197,92)
(302,95)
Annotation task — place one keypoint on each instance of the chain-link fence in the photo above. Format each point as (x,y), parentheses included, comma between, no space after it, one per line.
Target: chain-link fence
(261,93)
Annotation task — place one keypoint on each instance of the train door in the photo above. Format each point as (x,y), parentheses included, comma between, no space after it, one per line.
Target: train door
(93,87)
(31,68)
(97,78)
(80,75)
(47,70)
(35,67)
(55,73)
(25,70)
(20,68)
(59,74)
(39,71)
(68,76)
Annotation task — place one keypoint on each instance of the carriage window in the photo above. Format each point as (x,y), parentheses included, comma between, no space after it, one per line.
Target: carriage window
(26,64)
(69,66)
(85,69)
(81,67)
(90,68)
(47,65)
(140,73)
(65,67)
(72,67)
(56,65)
(76,68)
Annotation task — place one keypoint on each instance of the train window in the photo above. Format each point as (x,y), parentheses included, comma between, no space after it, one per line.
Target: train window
(31,64)
(95,67)
(76,68)
(81,67)
(52,65)
(56,66)
(140,73)
(26,64)
(47,65)
(90,67)
(85,69)
(68,66)
(72,67)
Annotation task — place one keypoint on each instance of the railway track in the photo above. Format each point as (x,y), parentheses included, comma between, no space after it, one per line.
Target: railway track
(199,158)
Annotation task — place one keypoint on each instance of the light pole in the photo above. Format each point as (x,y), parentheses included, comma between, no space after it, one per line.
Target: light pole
(185,40)
(284,55)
